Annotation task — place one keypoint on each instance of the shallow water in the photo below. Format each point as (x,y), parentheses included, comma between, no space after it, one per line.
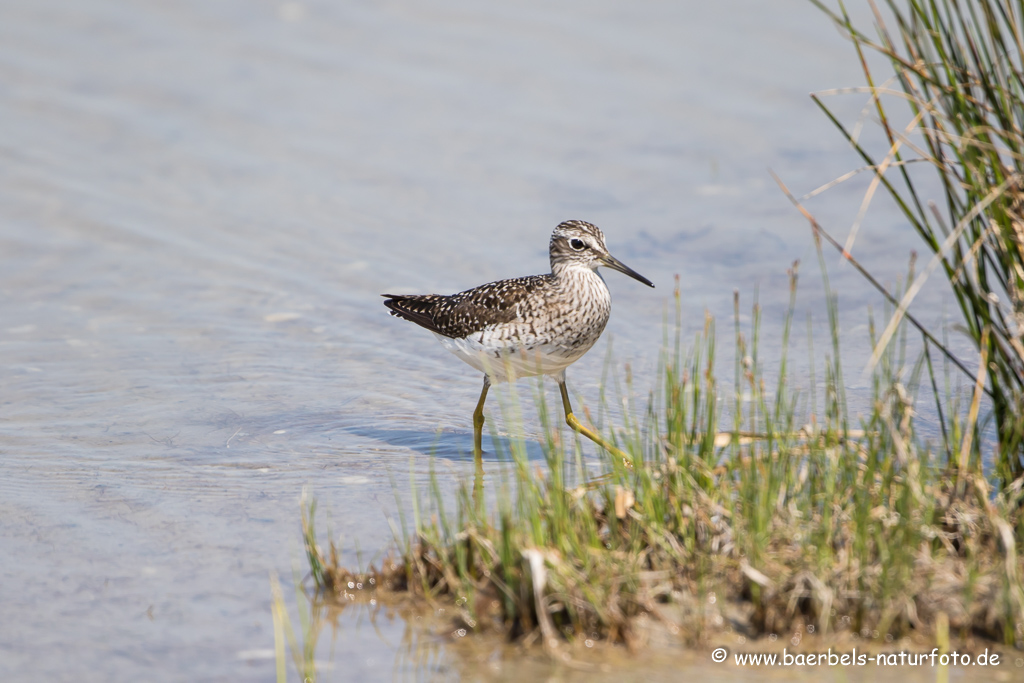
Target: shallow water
(425,645)
(200,204)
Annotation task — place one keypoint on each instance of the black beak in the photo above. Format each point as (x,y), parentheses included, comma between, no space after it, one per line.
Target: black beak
(618,265)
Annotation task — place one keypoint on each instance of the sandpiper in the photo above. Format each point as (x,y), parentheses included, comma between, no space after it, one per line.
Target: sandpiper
(527,326)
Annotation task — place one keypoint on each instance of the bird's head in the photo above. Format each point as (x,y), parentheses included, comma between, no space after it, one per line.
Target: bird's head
(578,244)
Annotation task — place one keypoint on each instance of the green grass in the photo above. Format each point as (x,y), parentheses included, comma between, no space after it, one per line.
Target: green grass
(951,99)
(756,507)
(310,621)
(799,518)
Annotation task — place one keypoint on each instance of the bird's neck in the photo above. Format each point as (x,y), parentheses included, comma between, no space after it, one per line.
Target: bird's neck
(574,275)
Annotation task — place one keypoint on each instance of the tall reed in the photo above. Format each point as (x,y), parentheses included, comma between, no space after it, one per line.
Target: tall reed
(957,66)
(794,520)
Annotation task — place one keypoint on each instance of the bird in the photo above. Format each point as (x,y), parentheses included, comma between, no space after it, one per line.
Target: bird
(526,326)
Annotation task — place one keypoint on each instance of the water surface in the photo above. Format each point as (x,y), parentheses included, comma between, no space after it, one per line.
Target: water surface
(200,204)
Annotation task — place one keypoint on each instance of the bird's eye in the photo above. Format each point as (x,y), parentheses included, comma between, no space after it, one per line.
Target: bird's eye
(577,244)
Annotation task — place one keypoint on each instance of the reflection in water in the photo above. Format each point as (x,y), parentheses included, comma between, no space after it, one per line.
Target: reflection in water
(420,644)
(418,654)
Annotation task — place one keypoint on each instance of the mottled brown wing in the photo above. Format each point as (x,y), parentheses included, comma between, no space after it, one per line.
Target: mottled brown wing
(460,315)
(416,308)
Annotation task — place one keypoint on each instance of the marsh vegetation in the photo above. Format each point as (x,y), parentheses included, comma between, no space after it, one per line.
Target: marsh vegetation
(755,507)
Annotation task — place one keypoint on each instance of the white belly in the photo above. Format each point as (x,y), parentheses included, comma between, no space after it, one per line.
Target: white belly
(503,362)
(545,339)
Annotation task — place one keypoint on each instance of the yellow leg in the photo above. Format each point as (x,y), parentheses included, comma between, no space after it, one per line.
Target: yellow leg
(478,424)
(571,420)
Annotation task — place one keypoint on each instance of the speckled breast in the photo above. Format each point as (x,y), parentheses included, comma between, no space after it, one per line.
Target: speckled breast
(545,339)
